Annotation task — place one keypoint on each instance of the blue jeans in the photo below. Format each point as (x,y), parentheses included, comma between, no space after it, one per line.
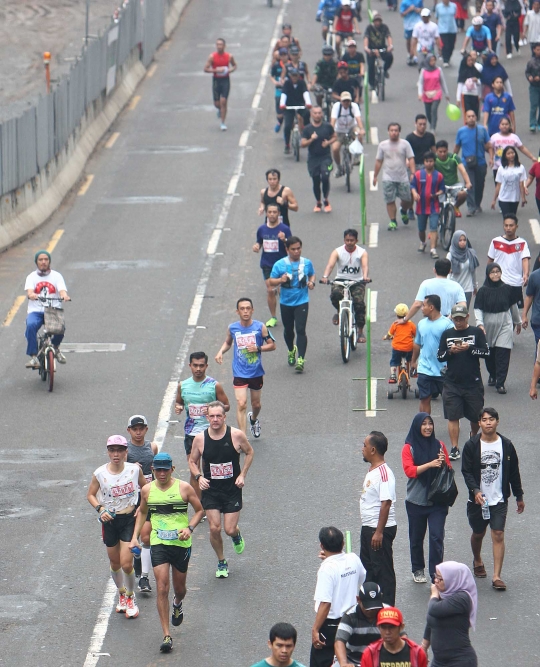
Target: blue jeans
(34,321)
(419,518)
(534,99)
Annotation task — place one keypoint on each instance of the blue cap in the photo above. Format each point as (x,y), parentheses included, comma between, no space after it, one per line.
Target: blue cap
(162,460)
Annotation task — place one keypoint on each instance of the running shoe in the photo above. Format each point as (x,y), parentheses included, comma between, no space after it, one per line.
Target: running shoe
(393,379)
(458,212)
(392,226)
(132,611)
(223,127)
(422,247)
(318,207)
(271,322)
(287,150)
(122,603)
(144,585)
(60,357)
(222,569)
(177,614)
(299,368)
(291,360)
(137,566)
(405,218)
(491,381)
(434,254)
(254,426)
(277,128)
(33,362)
(166,644)
(419,577)
(532,128)
(454,454)
(238,543)
(327,207)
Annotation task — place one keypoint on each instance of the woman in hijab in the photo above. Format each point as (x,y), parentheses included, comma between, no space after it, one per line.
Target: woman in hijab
(451,612)
(421,457)
(491,70)
(431,84)
(496,314)
(464,264)
(468,88)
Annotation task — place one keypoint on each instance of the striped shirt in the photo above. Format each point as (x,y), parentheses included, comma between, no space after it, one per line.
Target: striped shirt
(356,631)
(427,185)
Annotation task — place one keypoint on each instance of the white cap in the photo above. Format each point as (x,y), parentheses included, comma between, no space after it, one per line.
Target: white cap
(425,12)
(477,20)
(346,2)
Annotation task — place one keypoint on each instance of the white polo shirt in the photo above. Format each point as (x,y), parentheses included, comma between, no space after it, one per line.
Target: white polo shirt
(508,254)
(338,581)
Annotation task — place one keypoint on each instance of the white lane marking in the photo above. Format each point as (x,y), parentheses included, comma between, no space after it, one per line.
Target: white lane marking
(373,240)
(372,187)
(374,135)
(118,265)
(374,97)
(93,347)
(213,243)
(535,228)
(102,623)
(373,307)
(243,138)
(373,411)
(168,150)
(142,200)
(233,183)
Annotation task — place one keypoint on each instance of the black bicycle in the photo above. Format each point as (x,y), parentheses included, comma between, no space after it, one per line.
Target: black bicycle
(447,217)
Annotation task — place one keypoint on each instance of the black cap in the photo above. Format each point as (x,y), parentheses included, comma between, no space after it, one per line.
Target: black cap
(294,49)
(370,595)
(293,71)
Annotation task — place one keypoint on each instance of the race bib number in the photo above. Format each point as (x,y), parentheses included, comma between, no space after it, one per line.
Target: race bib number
(221,470)
(123,490)
(167,534)
(244,341)
(148,478)
(196,410)
(270,245)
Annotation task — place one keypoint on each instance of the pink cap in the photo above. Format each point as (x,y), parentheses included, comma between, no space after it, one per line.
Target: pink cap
(117,440)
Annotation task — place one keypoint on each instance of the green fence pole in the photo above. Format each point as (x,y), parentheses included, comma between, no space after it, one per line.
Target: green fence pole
(368,347)
(366,109)
(362,175)
(348,541)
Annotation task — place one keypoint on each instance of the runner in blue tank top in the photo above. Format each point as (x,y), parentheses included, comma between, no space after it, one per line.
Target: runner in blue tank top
(250,338)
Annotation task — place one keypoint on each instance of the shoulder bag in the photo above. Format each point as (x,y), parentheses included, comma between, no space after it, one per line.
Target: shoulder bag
(472,160)
(443,489)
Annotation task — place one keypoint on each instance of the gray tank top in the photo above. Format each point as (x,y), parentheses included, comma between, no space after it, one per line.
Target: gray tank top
(143,455)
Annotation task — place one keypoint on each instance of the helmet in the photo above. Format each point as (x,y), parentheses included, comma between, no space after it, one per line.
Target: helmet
(478,20)
(327,51)
(342,65)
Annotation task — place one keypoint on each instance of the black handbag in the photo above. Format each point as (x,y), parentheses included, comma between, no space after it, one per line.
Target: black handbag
(443,488)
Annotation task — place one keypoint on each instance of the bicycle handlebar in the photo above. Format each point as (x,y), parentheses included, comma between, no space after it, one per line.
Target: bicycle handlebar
(340,281)
(295,108)
(44,299)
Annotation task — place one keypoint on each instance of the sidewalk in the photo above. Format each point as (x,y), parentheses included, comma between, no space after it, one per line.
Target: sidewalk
(30,27)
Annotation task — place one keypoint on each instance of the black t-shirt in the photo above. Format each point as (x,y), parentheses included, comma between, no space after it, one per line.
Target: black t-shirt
(421,145)
(354,62)
(401,659)
(377,38)
(463,368)
(324,132)
(349,85)
(295,94)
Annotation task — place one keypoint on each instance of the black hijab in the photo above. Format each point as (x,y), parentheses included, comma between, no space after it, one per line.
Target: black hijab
(423,449)
(494,296)
(467,71)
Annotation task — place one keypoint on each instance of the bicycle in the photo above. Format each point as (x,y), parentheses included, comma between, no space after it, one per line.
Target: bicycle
(379,81)
(331,35)
(295,133)
(46,351)
(403,380)
(446,225)
(348,332)
(347,159)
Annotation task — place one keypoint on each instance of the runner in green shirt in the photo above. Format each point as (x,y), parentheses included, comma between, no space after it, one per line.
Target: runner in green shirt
(282,643)
(449,166)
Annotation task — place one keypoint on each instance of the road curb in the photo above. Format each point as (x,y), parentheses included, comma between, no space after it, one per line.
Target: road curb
(38,199)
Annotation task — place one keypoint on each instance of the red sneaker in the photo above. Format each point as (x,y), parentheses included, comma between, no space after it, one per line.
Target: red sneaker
(327,207)
(318,207)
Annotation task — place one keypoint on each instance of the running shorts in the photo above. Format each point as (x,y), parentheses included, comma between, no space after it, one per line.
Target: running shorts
(249,383)
(226,503)
(170,554)
(221,87)
(120,529)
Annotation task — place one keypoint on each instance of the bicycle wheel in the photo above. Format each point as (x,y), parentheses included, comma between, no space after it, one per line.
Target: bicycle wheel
(354,336)
(403,386)
(296,144)
(381,85)
(347,166)
(50,368)
(440,223)
(42,367)
(345,337)
(449,227)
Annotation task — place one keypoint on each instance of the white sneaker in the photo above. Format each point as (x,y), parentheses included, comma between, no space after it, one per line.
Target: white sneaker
(419,577)
(223,127)
(33,362)
(132,611)
(60,358)
(509,56)
(254,426)
(122,603)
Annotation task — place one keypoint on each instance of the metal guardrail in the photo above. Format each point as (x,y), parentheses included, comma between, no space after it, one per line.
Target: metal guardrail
(31,141)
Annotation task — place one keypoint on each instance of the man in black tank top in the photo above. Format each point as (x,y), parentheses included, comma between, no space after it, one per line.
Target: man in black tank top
(142,451)
(278,194)
(222,479)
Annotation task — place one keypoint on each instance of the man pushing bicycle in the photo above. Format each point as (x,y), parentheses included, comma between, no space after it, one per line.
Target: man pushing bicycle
(352,264)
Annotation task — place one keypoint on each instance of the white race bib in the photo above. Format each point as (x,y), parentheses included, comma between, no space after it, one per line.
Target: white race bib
(270,245)
(221,470)
(196,410)
(244,341)
(167,534)
(123,490)
(148,478)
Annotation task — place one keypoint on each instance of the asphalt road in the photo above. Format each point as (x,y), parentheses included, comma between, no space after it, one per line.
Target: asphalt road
(133,267)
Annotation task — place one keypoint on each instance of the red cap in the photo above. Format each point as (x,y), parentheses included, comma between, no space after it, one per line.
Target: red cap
(390,615)
(342,65)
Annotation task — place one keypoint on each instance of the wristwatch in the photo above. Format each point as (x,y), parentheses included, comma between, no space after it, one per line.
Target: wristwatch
(98,508)
(197,477)
(191,528)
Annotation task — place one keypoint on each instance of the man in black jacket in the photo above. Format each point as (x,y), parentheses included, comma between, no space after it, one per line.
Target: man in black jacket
(490,467)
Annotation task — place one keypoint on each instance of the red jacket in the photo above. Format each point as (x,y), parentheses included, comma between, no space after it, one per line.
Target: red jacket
(371,656)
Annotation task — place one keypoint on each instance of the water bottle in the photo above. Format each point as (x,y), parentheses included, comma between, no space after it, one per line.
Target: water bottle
(136,551)
(485,508)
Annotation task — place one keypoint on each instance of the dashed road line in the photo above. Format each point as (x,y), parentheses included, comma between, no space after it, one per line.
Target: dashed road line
(151,71)
(535,228)
(87,183)
(13,310)
(373,240)
(54,241)
(372,187)
(374,135)
(112,139)
(134,101)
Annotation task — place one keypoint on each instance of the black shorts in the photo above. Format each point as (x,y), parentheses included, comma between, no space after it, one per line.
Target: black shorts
(428,385)
(221,88)
(461,402)
(319,166)
(266,271)
(188,443)
(496,521)
(120,529)
(226,503)
(250,383)
(517,293)
(170,554)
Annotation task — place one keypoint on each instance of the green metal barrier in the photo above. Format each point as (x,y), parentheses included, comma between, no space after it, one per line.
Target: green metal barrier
(366,109)
(363,210)
(348,547)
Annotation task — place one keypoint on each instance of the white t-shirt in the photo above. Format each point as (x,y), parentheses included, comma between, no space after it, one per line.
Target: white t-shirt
(49,285)
(346,118)
(510,178)
(500,142)
(532,20)
(491,471)
(426,34)
(394,155)
(349,264)
(118,492)
(379,485)
(508,254)
(338,581)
